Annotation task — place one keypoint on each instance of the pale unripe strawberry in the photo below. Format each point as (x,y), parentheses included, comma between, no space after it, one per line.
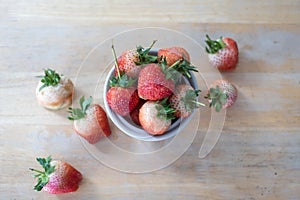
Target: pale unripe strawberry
(156,117)
(184,100)
(90,121)
(54,91)
(131,61)
(222,94)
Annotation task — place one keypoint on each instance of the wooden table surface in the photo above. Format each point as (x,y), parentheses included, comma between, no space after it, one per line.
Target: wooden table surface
(258,154)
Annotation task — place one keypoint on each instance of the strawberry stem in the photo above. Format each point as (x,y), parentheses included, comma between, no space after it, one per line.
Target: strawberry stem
(35,170)
(122,80)
(199,103)
(174,64)
(154,41)
(116,60)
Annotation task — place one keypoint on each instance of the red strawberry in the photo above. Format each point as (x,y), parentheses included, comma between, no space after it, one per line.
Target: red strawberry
(184,100)
(122,97)
(90,121)
(222,53)
(122,100)
(172,55)
(156,117)
(58,177)
(222,94)
(153,83)
(134,114)
(131,61)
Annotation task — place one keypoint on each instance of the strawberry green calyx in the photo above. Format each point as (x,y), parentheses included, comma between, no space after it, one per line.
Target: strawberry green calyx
(170,71)
(185,67)
(51,78)
(144,57)
(190,100)
(164,110)
(79,113)
(217,98)
(213,46)
(122,80)
(43,176)
(180,67)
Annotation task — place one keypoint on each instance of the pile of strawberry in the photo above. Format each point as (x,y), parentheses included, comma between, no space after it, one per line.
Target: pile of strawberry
(149,89)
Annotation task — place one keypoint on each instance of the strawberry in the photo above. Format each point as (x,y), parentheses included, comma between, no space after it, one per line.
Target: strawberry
(156,117)
(54,91)
(134,114)
(223,53)
(127,64)
(222,94)
(122,96)
(122,100)
(184,100)
(51,78)
(90,121)
(172,55)
(155,83)
(131,61)
(58,177)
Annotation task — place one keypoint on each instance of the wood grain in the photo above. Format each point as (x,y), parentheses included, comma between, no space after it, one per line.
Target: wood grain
(258,154)
(154,11)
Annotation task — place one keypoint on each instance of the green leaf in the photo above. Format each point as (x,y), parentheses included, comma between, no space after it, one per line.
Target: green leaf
(114,81)
(86,103)
(40,184)
(185,67)
(212,91)
(125,81)
(180,67)
(170,72)
(190,100)
(165,111)
(213,46)
(50,170)
(51,78)
(223,98)
(81,100)
(218,106)
(217,98)
(79,113)
(144,57)
(42,161)
(43,176)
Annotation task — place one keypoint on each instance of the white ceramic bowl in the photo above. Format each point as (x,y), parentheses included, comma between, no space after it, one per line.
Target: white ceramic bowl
(126,125)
